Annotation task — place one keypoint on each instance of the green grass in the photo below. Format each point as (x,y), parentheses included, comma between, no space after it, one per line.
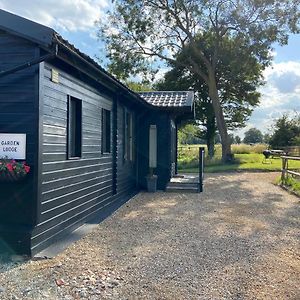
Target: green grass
(292,184)
(246,158)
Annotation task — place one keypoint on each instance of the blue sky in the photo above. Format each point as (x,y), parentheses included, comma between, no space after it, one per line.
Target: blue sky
(75,21)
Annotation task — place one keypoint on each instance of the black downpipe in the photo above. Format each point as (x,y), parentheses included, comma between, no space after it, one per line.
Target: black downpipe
(26,65)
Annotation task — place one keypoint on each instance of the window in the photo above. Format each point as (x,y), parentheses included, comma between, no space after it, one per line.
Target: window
(74,127)
(128,136)
(106,131)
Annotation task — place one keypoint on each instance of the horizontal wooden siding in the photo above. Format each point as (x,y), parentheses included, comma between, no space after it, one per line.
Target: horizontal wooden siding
(73,190)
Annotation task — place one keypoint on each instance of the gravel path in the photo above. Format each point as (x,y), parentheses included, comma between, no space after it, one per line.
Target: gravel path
(237,240)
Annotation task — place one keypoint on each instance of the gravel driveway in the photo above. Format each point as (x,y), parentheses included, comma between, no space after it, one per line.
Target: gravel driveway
(237,240)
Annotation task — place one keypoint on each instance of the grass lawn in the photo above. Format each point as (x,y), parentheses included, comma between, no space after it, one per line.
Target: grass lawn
(188,160)
(292,184)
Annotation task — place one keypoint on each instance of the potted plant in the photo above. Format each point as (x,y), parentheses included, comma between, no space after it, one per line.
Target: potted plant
(12,170)
(151,181)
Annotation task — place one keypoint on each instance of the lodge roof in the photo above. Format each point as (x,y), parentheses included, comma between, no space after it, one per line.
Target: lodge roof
(49,40)
(169,98)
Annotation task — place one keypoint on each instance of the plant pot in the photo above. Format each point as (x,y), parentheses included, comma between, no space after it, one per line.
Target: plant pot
(12,177)
(151,183)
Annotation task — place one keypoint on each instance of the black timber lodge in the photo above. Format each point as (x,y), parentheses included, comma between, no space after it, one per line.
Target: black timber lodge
(87,136)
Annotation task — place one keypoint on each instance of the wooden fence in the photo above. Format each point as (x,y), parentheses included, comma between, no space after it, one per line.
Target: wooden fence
(285,167)
(292,150)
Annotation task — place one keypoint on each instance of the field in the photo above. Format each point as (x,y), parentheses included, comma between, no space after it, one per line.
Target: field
(246,157)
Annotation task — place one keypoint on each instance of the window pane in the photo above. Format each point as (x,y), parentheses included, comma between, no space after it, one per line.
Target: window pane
(106,131)
(74,127)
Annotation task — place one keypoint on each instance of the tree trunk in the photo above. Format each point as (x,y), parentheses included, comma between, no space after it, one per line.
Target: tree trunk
(210,147)
(225,141)
(210,135)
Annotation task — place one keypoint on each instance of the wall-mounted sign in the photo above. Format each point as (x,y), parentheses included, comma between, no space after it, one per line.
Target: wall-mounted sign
(13,145)
(54,76)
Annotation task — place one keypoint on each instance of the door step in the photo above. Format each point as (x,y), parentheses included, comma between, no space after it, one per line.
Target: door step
(182,188)
(184,183)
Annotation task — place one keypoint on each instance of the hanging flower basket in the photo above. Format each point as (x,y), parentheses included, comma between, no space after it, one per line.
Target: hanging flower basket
(13,171)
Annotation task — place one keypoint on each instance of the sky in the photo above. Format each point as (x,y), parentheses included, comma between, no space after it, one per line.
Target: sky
(75,21)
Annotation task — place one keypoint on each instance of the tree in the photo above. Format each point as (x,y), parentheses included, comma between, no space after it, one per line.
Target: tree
(286,132)
(178,79)
(139,86)
(253,135)
(238,94)
(231,138)
(238,140)
(188,134)
(139,31)
(266,138)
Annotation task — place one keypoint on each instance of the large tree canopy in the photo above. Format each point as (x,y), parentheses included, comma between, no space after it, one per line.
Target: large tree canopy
(237,77)
(139,31)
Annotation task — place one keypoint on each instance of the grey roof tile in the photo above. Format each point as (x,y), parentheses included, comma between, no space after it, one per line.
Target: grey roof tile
(169,98)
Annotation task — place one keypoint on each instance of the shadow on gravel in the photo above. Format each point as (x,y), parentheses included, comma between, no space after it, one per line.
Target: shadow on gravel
(9,260)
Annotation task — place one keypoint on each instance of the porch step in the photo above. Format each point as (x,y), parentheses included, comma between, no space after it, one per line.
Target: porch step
(184,184)
(182,188)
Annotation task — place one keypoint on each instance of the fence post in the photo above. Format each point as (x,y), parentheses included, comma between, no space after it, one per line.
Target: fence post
(283,171)
(201,169)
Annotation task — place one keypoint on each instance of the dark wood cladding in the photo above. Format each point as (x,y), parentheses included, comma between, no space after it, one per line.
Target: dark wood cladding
(126,180)
(19,114)
(163,170)
(60,194)
(58,96)
(73,191)
(18,102)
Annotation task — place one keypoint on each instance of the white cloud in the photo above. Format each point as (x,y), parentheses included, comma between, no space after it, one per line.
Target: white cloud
(283,85)
(280,95)
(287,83)
(69,15)
(282,67)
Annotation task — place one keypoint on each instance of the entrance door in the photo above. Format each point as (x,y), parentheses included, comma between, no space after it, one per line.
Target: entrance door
(173,149)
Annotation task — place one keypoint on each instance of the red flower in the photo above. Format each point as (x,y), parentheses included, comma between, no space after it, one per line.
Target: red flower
(13,167)
(10,167)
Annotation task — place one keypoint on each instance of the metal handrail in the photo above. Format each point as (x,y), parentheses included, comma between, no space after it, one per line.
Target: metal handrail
(201,168)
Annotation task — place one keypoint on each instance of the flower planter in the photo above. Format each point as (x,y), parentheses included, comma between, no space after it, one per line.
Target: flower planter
(12,177)
(17,199)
